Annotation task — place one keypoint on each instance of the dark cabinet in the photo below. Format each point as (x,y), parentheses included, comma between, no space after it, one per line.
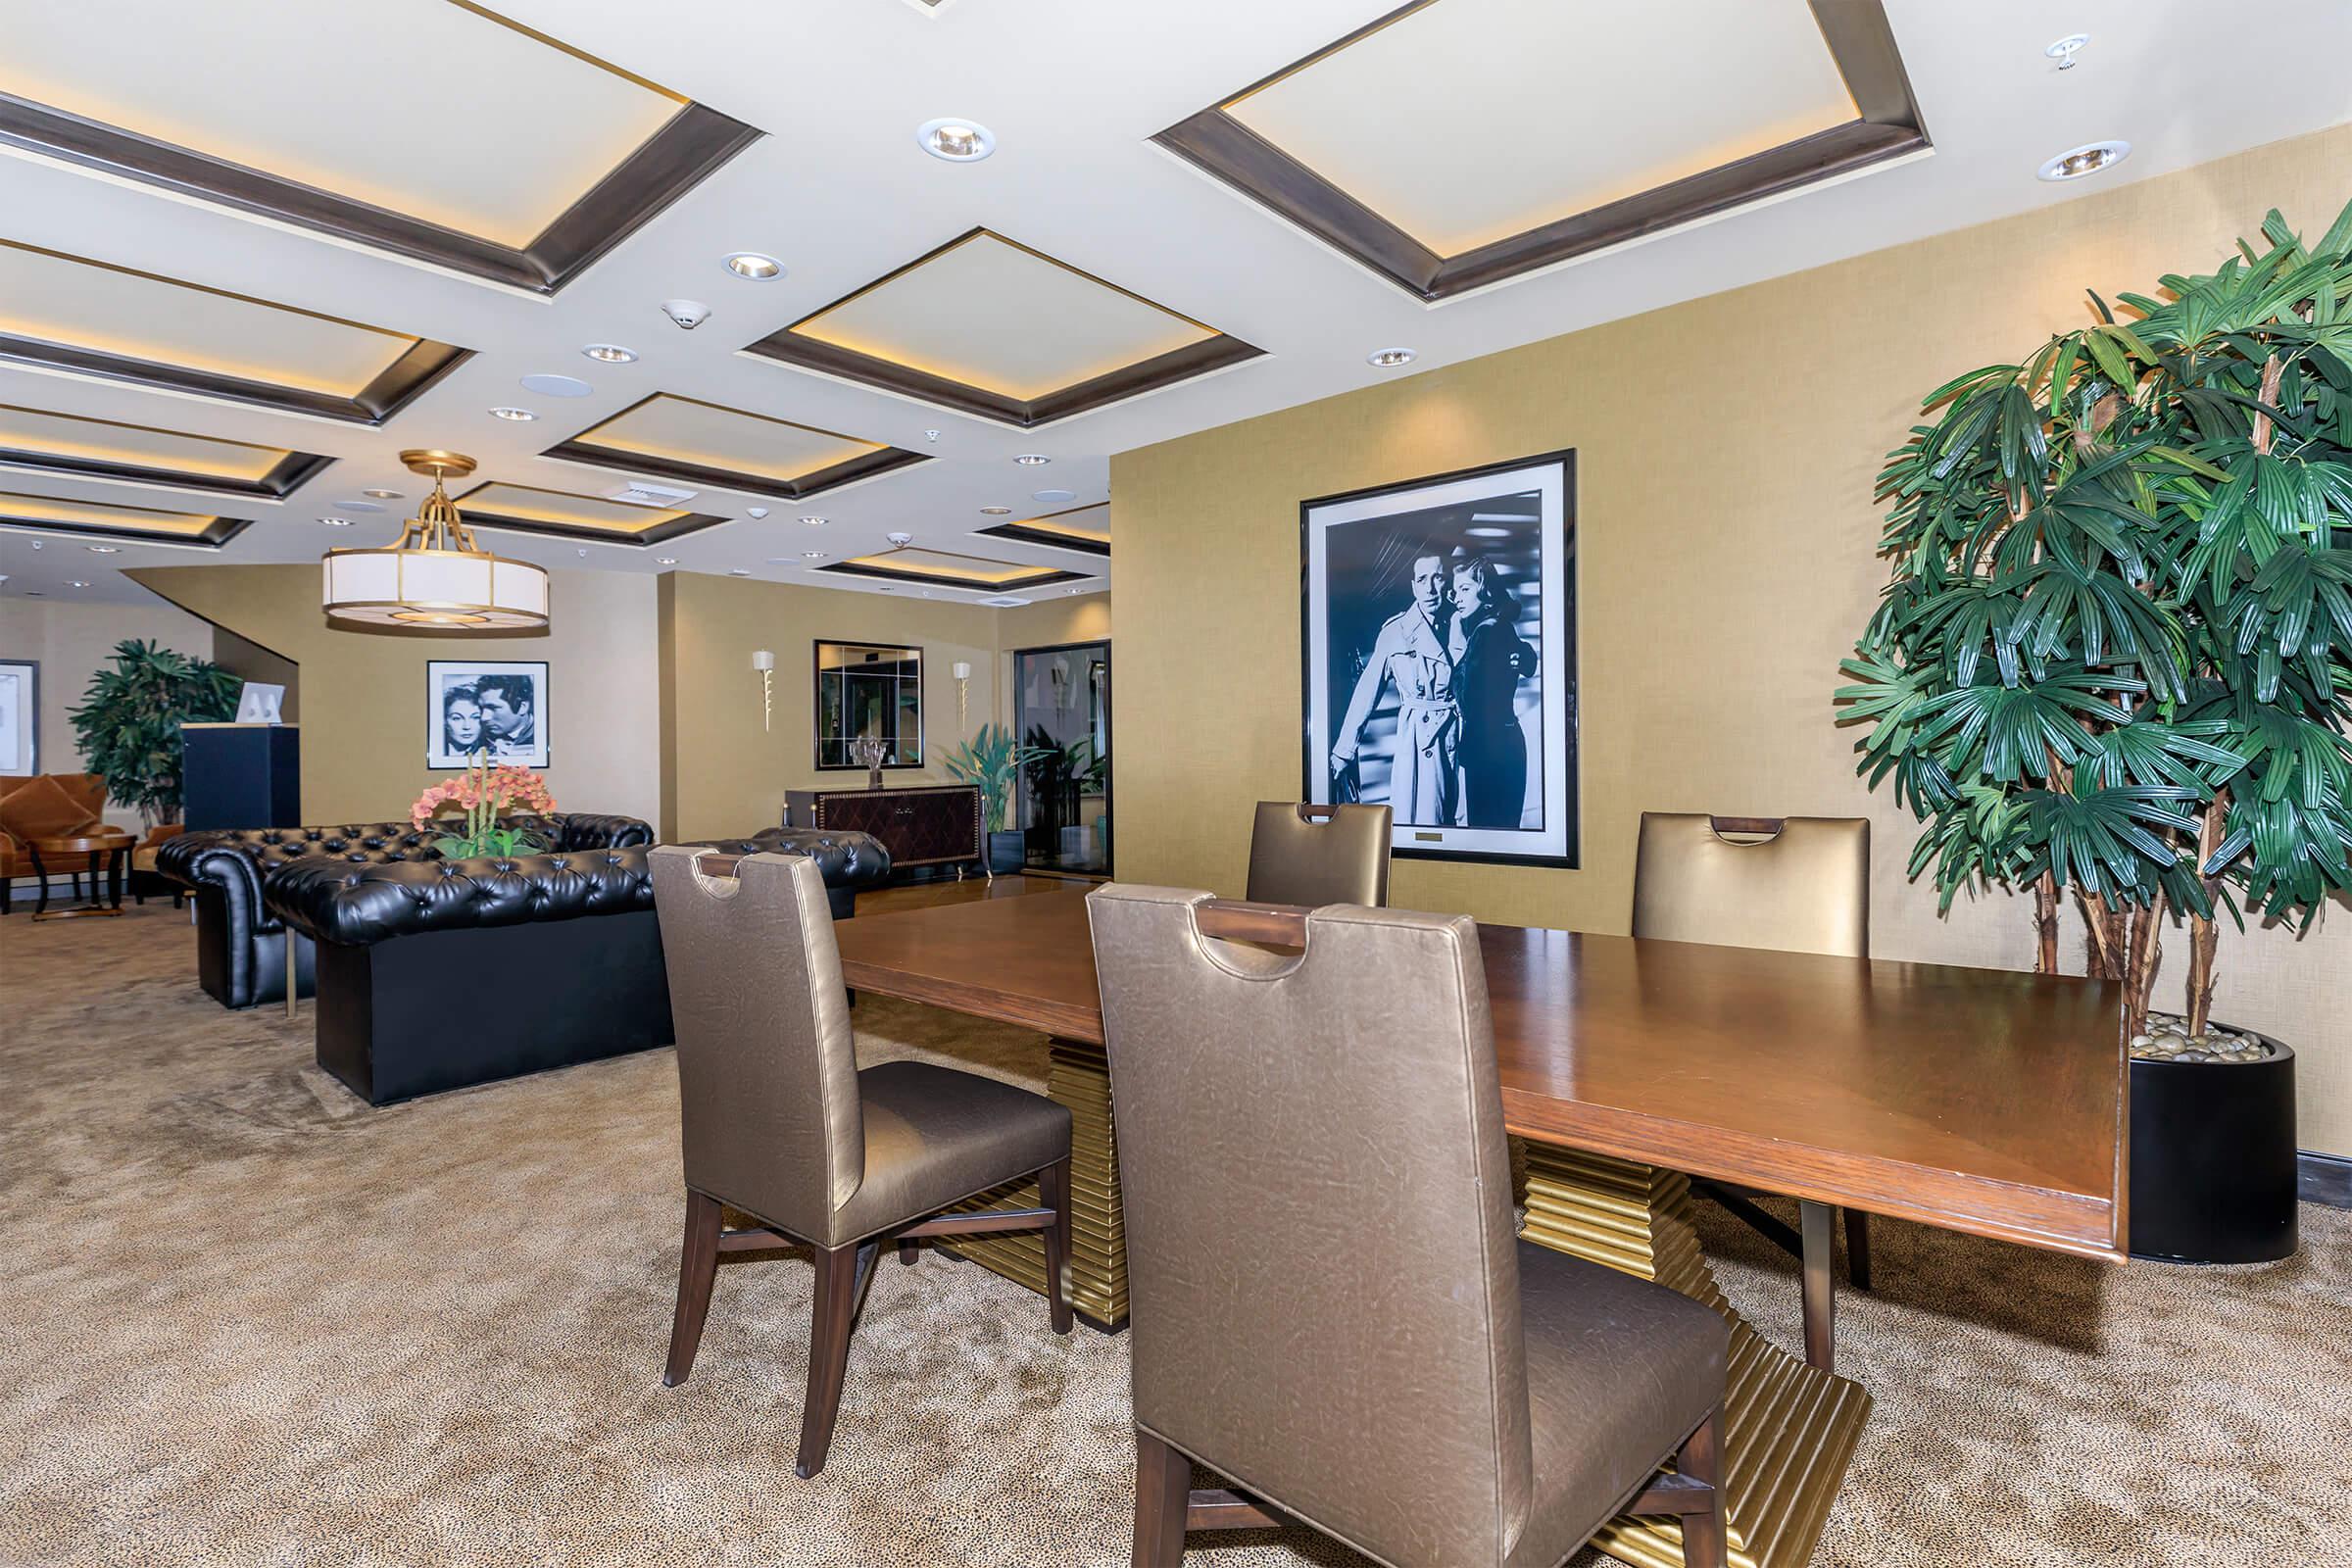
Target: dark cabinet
(930,826)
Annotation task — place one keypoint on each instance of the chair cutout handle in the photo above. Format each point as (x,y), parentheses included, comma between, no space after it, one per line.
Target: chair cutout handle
(1768,827)
(1282,925)
(1317,812)
(718,862)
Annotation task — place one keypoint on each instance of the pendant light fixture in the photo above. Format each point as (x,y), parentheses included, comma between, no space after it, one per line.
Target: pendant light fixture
(435,575)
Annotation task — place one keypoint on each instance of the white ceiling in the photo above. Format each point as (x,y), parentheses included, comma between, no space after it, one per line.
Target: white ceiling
(1073,90)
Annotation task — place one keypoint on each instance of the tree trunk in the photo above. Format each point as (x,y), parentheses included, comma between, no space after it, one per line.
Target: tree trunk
(2204,931)
(2144,948)
(2108,937)
(2045,925)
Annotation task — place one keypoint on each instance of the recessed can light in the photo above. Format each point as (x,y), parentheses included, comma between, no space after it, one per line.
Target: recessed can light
(1389,359)
(611,354)
(2087,159)
(739,571)
(755,266)
(1032,460)
(336,522)
(814,523)
(518,414)
(957,141)
(666,561)
(78,583)
(102,549)
(813,554)
(996,512)
(382,495)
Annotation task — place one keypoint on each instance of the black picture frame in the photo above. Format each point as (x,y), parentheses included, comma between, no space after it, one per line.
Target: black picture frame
(899,763)
(1524,544)
(445,675)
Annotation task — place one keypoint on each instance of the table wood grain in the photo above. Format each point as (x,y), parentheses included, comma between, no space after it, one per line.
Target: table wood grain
(1982,1100)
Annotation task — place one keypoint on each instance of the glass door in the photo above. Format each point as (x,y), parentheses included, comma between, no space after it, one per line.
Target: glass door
(1062,715)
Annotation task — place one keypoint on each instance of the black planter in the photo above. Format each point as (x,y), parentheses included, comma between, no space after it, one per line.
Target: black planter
(2212,1159)
(1006,850)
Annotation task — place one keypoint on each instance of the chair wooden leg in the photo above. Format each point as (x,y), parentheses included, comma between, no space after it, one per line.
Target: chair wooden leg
(1163,1489)
(698,1266)
(1054,1192)
(1857,1249)
(1706,1541)
(908,1252)
(832,1314)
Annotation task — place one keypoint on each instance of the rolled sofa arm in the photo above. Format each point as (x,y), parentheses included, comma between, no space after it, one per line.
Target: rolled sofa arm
(849,861)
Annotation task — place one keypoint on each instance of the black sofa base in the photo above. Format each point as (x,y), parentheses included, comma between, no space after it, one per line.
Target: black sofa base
(264,972)
(447,1009)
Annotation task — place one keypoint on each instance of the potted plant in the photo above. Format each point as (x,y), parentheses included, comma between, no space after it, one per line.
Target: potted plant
(989,762)
(2112,666)
(486,794)
(129,717)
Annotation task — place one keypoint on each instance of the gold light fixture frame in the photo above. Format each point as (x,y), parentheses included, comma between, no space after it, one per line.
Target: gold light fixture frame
(437,538)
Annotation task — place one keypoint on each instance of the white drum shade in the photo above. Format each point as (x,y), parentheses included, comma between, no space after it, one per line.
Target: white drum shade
(467,589)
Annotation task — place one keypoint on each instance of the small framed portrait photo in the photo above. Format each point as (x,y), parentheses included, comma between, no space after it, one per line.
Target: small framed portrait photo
(1439,640)
(472,708)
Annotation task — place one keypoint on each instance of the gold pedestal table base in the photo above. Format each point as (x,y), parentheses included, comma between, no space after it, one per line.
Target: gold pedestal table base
(1790,1428)
(1080,1078)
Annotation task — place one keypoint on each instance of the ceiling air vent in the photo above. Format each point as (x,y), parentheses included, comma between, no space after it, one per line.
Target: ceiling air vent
(639,493)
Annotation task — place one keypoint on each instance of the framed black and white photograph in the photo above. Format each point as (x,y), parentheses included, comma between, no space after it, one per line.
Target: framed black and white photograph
(20,717)
(1440,644)
(473,706)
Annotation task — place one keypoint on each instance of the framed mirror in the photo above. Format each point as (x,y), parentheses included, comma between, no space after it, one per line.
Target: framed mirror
(869,689)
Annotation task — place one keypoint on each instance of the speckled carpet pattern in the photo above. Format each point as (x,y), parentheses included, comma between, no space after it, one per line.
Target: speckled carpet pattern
(247,1320)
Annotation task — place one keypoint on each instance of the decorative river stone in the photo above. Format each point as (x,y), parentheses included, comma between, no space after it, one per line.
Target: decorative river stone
(2168,1040)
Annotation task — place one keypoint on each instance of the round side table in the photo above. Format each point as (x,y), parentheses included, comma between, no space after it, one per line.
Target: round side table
(109,850)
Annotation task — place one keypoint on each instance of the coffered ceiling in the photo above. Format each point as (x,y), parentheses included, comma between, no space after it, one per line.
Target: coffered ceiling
(250,250)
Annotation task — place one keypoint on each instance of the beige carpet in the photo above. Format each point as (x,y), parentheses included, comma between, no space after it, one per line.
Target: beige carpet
(246,1320)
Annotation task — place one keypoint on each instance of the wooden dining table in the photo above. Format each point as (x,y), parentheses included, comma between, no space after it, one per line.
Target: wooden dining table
(1981,1101)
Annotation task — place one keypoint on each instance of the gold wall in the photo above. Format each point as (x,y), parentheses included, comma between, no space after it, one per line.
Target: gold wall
(362,693)
(1726,530)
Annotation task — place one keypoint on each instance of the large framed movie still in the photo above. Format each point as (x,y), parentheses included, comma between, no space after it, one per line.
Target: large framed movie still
(1439,635)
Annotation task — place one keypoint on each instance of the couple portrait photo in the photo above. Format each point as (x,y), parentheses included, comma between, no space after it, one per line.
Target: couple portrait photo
(1439,646)
(498,709)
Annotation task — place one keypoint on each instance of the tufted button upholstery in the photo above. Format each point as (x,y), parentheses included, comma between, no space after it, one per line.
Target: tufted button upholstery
(355,905)
(228,868)
(848,862)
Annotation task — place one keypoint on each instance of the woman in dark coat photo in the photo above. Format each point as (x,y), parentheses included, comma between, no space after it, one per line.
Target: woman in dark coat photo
(1489,659)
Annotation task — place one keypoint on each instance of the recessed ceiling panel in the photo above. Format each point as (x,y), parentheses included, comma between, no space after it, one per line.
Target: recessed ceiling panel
(947,569)
(703,443)
(99,519)
(106,449)
(992,327)
(1456,143)
(526,508)
(85,318)
(1081,528)
(434,127)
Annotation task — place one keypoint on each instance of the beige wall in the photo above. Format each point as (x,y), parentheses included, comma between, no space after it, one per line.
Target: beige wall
(726,775)
(72,641)
(364,706)
(1725,456)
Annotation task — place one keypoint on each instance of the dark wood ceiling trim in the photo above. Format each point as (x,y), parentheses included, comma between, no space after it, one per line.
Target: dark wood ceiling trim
(288,472)
(692,144)
(1131,380)
(219,533)
(864,465)
(659,534)
(1860,40)
(399,383)
(1022,533)
(1044,577)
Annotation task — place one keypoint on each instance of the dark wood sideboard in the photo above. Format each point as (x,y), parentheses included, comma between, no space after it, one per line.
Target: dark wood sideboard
(929,826)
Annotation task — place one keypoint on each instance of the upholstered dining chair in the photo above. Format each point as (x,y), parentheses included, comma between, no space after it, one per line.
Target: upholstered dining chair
(778,1121)
(1328,1306)
(1311,854)
(1798,884)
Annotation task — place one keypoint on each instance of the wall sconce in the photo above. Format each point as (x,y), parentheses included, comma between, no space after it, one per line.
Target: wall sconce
(766,663)
(963,693)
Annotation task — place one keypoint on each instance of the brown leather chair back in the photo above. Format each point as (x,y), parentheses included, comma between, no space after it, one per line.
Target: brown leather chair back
(1324,1283)
(767,1073)
(1317,854)
(1799,884)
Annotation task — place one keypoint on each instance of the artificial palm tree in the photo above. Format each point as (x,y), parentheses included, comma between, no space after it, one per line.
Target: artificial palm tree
(2111,661)
(129,717)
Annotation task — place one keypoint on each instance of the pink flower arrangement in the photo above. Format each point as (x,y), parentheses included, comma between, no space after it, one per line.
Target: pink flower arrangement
(485,794)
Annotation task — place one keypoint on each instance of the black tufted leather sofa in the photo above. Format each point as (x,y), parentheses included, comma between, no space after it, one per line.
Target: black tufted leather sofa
(240,956)
(850,862)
